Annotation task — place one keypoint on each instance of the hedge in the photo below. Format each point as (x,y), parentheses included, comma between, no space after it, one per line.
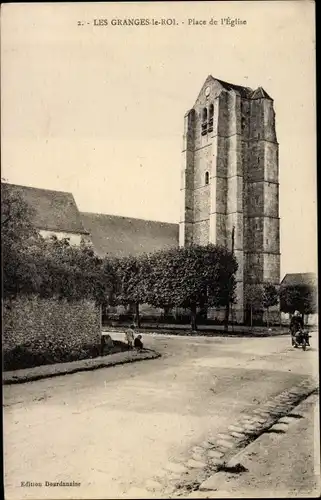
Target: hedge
(44,331)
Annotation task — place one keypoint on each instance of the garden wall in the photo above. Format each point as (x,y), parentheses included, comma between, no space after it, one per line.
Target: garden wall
(48,330)
(309,319)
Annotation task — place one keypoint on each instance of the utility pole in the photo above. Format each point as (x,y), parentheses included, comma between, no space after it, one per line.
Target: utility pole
(227,311)
(233,233)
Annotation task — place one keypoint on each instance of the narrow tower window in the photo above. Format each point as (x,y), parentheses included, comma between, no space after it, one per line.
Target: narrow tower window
(211,113)
(204,114)
(207,178)
(204,121)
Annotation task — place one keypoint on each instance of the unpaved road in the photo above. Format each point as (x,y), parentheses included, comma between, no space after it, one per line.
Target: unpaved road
(114,430)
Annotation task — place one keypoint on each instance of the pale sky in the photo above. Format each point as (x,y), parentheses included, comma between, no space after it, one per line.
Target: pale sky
(98,110)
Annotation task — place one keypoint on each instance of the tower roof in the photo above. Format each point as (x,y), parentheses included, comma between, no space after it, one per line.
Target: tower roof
(243,91)
(260,93)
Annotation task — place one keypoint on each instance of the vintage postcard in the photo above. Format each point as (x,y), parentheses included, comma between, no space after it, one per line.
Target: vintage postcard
(159,240)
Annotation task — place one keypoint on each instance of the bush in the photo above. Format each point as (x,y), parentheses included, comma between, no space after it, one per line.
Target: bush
(48,268)
(49,331)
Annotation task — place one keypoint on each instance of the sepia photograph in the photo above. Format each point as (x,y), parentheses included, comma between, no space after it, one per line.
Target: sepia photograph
(159,250)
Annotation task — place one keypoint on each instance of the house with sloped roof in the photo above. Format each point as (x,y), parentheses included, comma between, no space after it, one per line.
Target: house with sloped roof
(304,280)
(122,236)
(56,213)
(53,213)
(300,279)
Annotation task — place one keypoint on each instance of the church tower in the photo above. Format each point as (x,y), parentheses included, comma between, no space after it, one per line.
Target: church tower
(230,178)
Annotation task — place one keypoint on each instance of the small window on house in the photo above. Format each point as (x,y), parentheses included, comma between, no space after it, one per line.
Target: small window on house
(207,178)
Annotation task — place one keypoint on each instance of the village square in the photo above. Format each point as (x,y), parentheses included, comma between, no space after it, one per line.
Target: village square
(205,396)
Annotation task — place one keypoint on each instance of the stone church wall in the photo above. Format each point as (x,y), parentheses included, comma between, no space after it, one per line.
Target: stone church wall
(201,232)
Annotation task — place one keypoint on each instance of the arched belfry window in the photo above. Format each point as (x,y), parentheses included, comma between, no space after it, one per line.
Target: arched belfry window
(204,114)
(207,178)
(204,121)
(211,114)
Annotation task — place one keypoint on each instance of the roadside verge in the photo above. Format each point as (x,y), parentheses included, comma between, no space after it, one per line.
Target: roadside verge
(45,371)
(174,331)
(215,457)
(286,456)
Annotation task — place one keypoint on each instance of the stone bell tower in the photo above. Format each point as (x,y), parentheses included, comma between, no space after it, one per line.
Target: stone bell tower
(230,177)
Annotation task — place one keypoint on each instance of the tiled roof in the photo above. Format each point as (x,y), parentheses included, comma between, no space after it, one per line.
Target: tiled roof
(244,91)
(121,236)
(51,210)
(299,279)
(260,93)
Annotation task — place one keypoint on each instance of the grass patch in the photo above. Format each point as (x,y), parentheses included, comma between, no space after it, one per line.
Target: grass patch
(31,355)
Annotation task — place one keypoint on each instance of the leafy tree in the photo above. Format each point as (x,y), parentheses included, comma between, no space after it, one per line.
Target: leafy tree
(17,232)
(270,298)
(52,267)
(301,298)
(106,291)
(191,277)
(254,300)
(73,272)
(132,281)
(16,217)
(261,297)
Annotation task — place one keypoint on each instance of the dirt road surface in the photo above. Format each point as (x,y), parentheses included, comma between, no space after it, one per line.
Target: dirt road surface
(119,431)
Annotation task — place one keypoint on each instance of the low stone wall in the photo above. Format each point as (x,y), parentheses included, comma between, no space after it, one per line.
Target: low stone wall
(309,319)
(144,310)
(236,316)
(42,323)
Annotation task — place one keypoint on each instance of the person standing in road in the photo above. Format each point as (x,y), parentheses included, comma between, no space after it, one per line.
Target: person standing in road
(129,335)
(296,327)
